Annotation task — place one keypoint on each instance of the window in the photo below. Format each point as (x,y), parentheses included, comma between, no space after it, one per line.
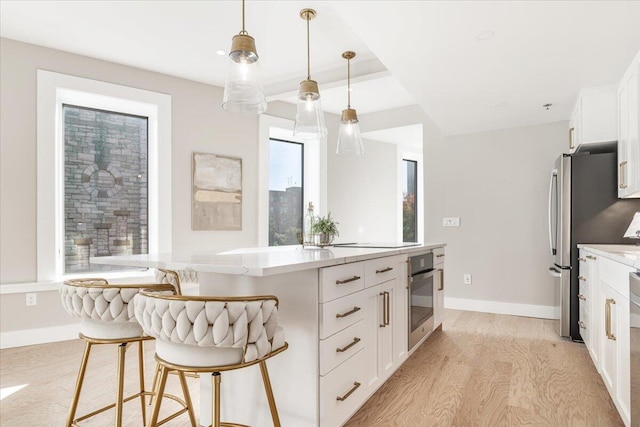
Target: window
(409,200)
(101,148)
(286,171)
(105,186)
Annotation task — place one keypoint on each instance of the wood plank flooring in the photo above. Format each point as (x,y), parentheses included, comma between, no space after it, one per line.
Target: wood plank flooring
(480,370)
(493,370)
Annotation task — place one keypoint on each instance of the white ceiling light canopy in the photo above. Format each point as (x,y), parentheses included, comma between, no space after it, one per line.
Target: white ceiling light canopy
(309,124)
(349,138)
(243,92)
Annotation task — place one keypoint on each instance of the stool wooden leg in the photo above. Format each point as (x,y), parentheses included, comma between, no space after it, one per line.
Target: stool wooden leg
(122,350)
(79,381)
(141,377)
(215,407)
(267,387)
(162,382)
(187,398)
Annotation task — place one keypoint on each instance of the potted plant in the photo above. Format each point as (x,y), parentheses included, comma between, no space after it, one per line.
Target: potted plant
(324,230)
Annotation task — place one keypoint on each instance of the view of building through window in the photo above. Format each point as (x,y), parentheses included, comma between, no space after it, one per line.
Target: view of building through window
(409,200)
(105,186)
(285,192)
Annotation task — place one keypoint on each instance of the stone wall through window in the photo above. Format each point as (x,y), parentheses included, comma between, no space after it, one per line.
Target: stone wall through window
(105,186)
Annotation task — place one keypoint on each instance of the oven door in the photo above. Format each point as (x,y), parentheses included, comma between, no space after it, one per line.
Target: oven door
(421,288)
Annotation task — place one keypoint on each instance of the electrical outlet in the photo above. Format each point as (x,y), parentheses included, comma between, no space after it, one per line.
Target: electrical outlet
(451,222)
(467,279)
(31,299)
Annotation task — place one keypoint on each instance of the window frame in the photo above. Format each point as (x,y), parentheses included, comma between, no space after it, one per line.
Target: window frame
(54,90)
(407,153)
(405,179)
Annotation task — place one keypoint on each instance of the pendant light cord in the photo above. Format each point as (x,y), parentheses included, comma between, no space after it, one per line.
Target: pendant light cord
(244,32)
(308,50)
(349,83)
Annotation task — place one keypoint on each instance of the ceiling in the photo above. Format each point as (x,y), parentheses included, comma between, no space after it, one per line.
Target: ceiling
(408,52)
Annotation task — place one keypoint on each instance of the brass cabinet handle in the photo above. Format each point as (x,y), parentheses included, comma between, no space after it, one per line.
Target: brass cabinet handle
(590,257)
(607,319)
(439,255)
(388,322)
(584,279)
(349,393)
(582,260)
(385,309)
(348,313)
(342,282)
(623,174)
(571,133)
(582,297)
(355,341)
(582,325)
(441,271)
(384,270)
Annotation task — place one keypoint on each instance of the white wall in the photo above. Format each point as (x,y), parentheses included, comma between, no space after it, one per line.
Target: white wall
(497,183)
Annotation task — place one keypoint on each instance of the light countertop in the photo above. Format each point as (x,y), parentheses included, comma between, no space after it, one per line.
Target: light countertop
(263,261)
(625,254)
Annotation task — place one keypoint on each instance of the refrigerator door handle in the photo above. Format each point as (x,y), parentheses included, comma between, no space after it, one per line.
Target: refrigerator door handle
(555,272)
(554,174)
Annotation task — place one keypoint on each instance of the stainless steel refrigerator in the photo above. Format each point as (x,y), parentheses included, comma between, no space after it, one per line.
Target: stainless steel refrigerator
(583,208)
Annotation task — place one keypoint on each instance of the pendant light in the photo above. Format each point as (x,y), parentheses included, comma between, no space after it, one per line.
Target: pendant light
(349,139)
(309,123)
(243,92)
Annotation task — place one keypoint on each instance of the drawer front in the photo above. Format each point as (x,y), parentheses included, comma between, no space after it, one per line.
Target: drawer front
(340,395)
(615,274)
(341,280)
(438,256)
(338,314)
(341,346)
(380,270)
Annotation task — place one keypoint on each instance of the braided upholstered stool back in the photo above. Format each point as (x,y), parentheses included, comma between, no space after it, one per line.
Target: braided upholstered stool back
(202,331)
(105,310)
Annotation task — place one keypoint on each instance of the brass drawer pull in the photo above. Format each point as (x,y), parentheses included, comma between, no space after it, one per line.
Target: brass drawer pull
(441,287)
(384,270)
(349,393)
(623,174)
(348,313)
(582,259)
(342,282)
(355,341)
(582,325)
(385,309)
(607,318)
(582,297)
(584,279)
(590,257)
(439,255)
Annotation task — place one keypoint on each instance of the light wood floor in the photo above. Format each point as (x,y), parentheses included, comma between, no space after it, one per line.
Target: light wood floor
(480,370)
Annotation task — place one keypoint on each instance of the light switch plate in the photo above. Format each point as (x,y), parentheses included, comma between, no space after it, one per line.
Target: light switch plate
(451,222)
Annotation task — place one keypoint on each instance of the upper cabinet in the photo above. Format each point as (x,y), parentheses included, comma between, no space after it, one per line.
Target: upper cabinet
(594,117)
(628,132)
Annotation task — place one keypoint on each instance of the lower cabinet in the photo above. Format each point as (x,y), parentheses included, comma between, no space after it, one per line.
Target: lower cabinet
(606,282)
(363,337)
(438,287)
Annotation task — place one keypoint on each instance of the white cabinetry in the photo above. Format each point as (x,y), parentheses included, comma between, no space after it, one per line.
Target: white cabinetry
(607,284)
(438,290)
(629,132)
(363,332)
(594,117)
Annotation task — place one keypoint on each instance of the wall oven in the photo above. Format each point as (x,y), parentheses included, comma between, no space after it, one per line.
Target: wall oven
(634,321)
(421,283)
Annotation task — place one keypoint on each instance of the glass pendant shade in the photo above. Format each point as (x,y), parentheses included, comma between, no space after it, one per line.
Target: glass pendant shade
(243,92)
(309,124)
(349,138)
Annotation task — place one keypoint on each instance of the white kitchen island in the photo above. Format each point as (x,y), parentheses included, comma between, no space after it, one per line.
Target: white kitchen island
(344,311)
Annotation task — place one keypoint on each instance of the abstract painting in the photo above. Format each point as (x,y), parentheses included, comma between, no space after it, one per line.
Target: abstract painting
(217,192)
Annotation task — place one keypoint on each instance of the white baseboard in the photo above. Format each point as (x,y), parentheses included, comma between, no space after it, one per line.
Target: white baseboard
(527,310)
(39,335)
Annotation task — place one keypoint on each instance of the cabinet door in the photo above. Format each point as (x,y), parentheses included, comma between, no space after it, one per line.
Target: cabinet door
(609,355)
(387,297)
(629,132)
(373,319)
(438,291)
(400,316)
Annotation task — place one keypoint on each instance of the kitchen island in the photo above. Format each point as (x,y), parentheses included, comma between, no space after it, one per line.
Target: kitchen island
(344,312)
